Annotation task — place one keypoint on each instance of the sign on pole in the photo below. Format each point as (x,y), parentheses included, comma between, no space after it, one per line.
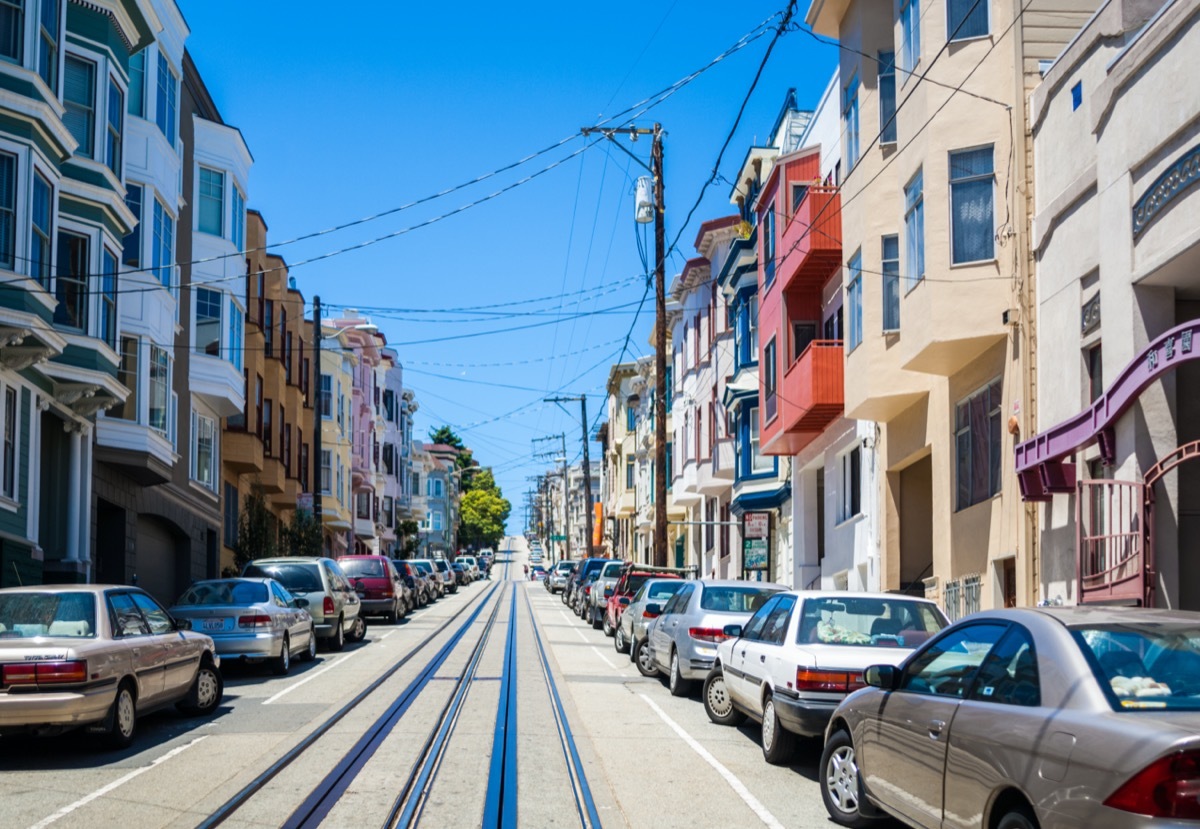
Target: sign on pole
(756,541)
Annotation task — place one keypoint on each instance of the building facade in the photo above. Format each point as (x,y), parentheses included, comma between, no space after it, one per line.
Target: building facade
(335,419)
(620,493)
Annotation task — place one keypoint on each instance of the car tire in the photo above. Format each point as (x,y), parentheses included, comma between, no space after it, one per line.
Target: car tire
(206,691)
(338,640)
(310,653)
(608,629)
(778,744)
(597,618)
(281,664)
(619,643)
(644,659)
(841,783)
(678,686)
(717,702)
(358,631)
(121,725)
(1018,818)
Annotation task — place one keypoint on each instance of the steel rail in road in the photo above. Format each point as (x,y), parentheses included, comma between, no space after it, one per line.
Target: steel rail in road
(239,799)
(500,805)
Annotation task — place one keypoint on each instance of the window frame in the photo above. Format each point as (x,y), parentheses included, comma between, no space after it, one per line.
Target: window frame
(994,416)
(769,372)
(968,180)
(914,240)
(166,99)
(163,384)
(853,301)
(88,109)
(849,503)
(163,252)
(952,30)
(890,270)
(910,36)
(63,280)
(114,132)
(10,443)
(200,423)
(210,193)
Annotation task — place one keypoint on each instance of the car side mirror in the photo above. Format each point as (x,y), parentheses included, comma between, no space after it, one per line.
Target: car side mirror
(732,631)
(608,593)
(183,624)
(882,676)
(652,610)
(300,601)
(623,601)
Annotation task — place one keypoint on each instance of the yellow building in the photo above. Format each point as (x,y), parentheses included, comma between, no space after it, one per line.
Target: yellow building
(334,411)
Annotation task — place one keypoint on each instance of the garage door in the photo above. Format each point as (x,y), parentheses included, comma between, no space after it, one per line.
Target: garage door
(156,557)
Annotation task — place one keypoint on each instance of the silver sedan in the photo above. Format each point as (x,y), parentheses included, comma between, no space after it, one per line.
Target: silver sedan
(252,619)
(1055,717)
(633,621)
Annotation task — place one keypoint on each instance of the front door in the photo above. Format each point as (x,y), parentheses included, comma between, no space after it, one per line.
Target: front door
(662,634)
(740,686)
(145,650)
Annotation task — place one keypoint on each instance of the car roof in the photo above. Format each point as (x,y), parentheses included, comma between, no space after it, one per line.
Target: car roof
(290,560)
(847,594)
(368,555)
(738,583)
(1079,615)
(69,588)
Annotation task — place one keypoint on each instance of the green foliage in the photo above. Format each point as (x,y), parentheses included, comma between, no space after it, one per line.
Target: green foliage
(482,513)
(303,536)
(409,532)
(256,529)
(446,435)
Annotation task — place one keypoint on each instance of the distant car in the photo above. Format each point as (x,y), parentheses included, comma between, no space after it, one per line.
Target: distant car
(597,602)
(802,652)
(427,568)
(628,583)
(1053,717)
(558,576)
(684,638)
(634,620)
(472,567)
(446,575)
(98,657)
(381,587)
(250,619)
(460,574)
(537,572)
(415,580)
(333,603)
(586,571)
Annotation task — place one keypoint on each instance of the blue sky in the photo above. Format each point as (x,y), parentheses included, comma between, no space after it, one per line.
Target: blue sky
(351,115)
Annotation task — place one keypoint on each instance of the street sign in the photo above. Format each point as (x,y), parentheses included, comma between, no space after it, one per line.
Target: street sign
(754,554)
(756,541)
(558,538)
(304,502)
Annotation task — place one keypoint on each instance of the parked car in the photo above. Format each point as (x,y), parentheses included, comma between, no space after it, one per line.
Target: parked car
(683,639)
(606,580)
(98,657)
(472,566)
(444,572)
(334,605)
(557,580)
(585,573)
(583,593)
(634,620)
(1051,717)
(460,574)
(568,592)
(381,587)
(632,577)
(250,619)
(436,585)
(802,652)
(537,572)
(415,580)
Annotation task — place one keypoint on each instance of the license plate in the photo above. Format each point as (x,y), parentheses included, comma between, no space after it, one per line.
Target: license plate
(216,624)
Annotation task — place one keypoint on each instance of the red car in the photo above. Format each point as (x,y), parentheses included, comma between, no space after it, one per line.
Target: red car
(377,581)
(630,581)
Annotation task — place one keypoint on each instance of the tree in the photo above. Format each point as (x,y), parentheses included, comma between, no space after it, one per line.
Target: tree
(409,537)
(256,529)
(446,435)
(303,536)
(482,514)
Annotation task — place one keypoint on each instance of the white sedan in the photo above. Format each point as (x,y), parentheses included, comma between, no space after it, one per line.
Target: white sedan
(802,652)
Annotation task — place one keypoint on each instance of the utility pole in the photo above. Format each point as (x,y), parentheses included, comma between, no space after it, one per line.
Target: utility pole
(660,323)
(562,437)
(587,466)
(316,456)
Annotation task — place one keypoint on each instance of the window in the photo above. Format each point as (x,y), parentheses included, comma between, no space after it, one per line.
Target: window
(262,297)
(887,97)
(268,328)
(1077,96)
(165,101)
(910,34)
(436,520)
(267,423)
(9,482)
(285,441)
(208,321)
(287,358)
(1095,369)
(160,623)
(966,19)
(752,306)
(631,415)
(211,210)
(670,463)
(630,475)
(972,193)
(914,229)
(850,120)
(239,219)
(977,435)
(12,30)
(768,246)
(116,114)
(302,461)
(758,462)
(769,379)
(8,206)
(79,98)
(48,43)
(137,88)
(131,253)
(325,397)
(108,299)
(231,515)
(160,384)
(127,376)
(258,406)
(362,506)
(850,503)
(669,388)
(285,350)
(164,243)
(416,483)
(832,326)
(326,470)
(891,282)
(854,300)
(388,511)
(204,451)
(237,328)
(947,667)
(70,286)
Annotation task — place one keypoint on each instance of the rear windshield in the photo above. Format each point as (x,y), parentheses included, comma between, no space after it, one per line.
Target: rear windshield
(423,566)
(66,615)
(635,582)
(224,592)
(296,577)
(442,565)
(880,623)
(1146,666)
(357,568)
(735,599)
(564,566)
(612,569)
(662,590)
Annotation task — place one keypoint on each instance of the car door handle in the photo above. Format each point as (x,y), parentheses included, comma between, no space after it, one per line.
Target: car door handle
(743,653)
(762,657)
(935,728)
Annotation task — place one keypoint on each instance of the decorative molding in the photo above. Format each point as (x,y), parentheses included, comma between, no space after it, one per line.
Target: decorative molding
(1178,178)
(1090,315)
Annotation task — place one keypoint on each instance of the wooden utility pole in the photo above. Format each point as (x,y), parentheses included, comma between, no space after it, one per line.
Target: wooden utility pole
(316,381)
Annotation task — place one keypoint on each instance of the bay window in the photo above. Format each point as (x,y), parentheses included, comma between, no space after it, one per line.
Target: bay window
(70,284)
(116,115)
(166,99)
(127,376)
(208,321)
(39,251)
(204,451)
(137,84)
(49,22)
(914,230)
(8,209)
(107,330)
(160,384)
(236,334)
(8,484)
(854,301)
(164,243)
(211,208)
(79,99)
(12,30)
(131,253)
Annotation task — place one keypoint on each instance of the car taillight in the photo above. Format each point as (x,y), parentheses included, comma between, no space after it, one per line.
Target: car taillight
(386,592)
(646,614)
(809,679)
(1167,788)
(44,673)
(257,620)
(707,634)
(327,606)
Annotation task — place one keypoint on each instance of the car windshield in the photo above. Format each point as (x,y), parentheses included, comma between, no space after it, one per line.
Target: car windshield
(868,622)
(230,591)
(358,568)
(424,567)
(442,565)
(564,566)
(739,599)
(296,577)
(1148,666)
(66,615)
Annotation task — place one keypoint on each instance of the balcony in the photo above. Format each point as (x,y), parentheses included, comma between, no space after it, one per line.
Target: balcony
(810,398)
(811,242)
(219,383)
(145,455)
(724,461)
(242,452)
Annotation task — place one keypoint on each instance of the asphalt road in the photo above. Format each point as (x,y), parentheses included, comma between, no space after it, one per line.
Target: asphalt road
(636,756)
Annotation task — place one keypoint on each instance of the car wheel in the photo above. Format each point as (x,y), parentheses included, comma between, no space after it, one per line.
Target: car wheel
(338,640)
(358,631)
(717,704)
(841,785)
(644,659)
(205,695)
(679,686)
(281,664)
(597,618)
(311,652)
(122,718)
(619,642)
(1019,818)
(609,630)
(777,742)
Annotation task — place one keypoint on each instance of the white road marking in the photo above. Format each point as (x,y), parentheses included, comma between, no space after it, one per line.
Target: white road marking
(120,781)
(605,658)
(734,783)
(386,635)
(308,678)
